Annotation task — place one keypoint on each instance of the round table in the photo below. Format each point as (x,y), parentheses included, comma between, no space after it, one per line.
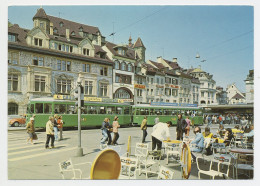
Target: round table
(242,151)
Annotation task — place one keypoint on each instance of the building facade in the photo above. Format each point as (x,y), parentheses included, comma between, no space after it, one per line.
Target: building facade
(51,57)
(234,95)
(250,87)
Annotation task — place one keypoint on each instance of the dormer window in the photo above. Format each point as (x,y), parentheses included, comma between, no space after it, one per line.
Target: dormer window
(41,25)
(121,51)
(11,37)
(61,24)
(85,34)
(81,29)
(73,33)
(55,30)
(86,51)
(37,42)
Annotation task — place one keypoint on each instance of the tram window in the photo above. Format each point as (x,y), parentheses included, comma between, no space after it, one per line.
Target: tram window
(126,110)
(151,111)
(199,113)
(119,110)
(83,111)
(71,109)
(158,111)
(137,111)
(144,111)
(93,110)
(32,108)
(47,108)
(167,112)
(102,110)
(174,112)
(59,109)
(39,108)
(111,110)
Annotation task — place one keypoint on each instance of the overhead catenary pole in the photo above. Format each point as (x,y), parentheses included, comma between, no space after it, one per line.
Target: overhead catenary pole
(79,149)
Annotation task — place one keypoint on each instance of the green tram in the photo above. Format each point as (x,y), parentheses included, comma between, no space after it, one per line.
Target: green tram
(92,115)
(165,113)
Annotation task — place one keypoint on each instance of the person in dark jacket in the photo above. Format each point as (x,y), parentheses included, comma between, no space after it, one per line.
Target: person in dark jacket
(144,128)
(105,132)
(181,125)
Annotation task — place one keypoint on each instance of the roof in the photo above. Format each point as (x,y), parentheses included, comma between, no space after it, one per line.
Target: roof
(158,65)
(130,53)
(197,70)
(174,65)
(139,43)
(237,96)
(186,75)
(40,14)
(21,32)
(195,80)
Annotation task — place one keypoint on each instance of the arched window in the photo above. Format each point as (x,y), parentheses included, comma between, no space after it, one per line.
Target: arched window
(123,67)
(12,109)
(61,24)
(129,67)
(117,65)
(202,102)
(122,94)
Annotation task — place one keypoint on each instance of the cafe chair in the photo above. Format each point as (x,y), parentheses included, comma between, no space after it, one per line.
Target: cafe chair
(246,163)
(218,148)
(172,150)
(146,164)
(221,160)
(68,166)
(128,168)
(165,173)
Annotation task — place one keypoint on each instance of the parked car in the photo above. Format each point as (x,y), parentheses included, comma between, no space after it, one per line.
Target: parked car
(17,122)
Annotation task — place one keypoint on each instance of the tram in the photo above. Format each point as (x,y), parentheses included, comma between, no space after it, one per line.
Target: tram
(165,113)
(92,115)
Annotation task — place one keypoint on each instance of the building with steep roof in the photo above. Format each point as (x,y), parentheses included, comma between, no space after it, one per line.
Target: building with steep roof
(234,95)
(49,58)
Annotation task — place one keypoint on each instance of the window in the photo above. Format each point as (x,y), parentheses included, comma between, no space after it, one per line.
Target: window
(162,81)
(88,87)
(202,94)
(47,108)
(41,24)
(151,91)
(63,86)
(60,109)
(56,46)
(117,65)
(158,80)
(151,80)
(121,51)
(103,89)
(85,51)
(39,84)
(147,79)
(139,92)
(129,68)
(122,94)
(11,38)
(73,33)
(67,48)
(71,48)
(13,82)
(123,67)
(37,42)
(13,58)
(103,71)
(63,47)
(38,61)
(55,30)
(61,24)
(63,65)
(12,109)
(86,67)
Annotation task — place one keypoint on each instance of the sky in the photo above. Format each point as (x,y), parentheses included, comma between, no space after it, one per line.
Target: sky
(223,36)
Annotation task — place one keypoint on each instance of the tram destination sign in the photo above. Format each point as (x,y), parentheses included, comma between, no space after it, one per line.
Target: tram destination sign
(174,104)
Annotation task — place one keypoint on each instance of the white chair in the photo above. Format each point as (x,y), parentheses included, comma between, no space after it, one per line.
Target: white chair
(165,173)
(147,163)
(222,160)
(172,149)
(218,148)
(68,166)
(128,168)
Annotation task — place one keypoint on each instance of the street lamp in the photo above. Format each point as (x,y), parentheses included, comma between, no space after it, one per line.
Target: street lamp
(80,94)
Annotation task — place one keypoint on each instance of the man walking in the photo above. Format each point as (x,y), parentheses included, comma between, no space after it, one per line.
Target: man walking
(30,130)
(49,132)
(144,128)
(181,125)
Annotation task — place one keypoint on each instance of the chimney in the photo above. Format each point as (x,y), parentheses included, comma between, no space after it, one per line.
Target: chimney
(51,28)
(67,33)
(174,60)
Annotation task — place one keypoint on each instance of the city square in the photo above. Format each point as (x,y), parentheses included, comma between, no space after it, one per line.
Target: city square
(163,94)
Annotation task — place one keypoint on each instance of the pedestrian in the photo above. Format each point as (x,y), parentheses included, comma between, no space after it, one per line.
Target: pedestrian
(220,120)
(60,126)
(144,128)
(198,141)
(49,132)
(55,127)
(181,125)
(30,130)
(209,120)
(243,123)
(115,131)
(160,132)
(109,130)
(187,129)
(105,128)
(156,120)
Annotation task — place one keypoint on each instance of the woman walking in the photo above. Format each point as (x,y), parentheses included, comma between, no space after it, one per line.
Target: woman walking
(55,127)
(115,131)
(30,130)
(144,128)
(105,132)
(60,126)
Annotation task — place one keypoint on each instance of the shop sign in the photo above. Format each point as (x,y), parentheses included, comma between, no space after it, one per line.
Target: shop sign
(94,99)
(63,97)
(159,86)
(174,86)
(125,100)
(139,86)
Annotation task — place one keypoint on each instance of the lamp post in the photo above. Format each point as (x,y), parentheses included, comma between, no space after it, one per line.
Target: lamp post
(79,152)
